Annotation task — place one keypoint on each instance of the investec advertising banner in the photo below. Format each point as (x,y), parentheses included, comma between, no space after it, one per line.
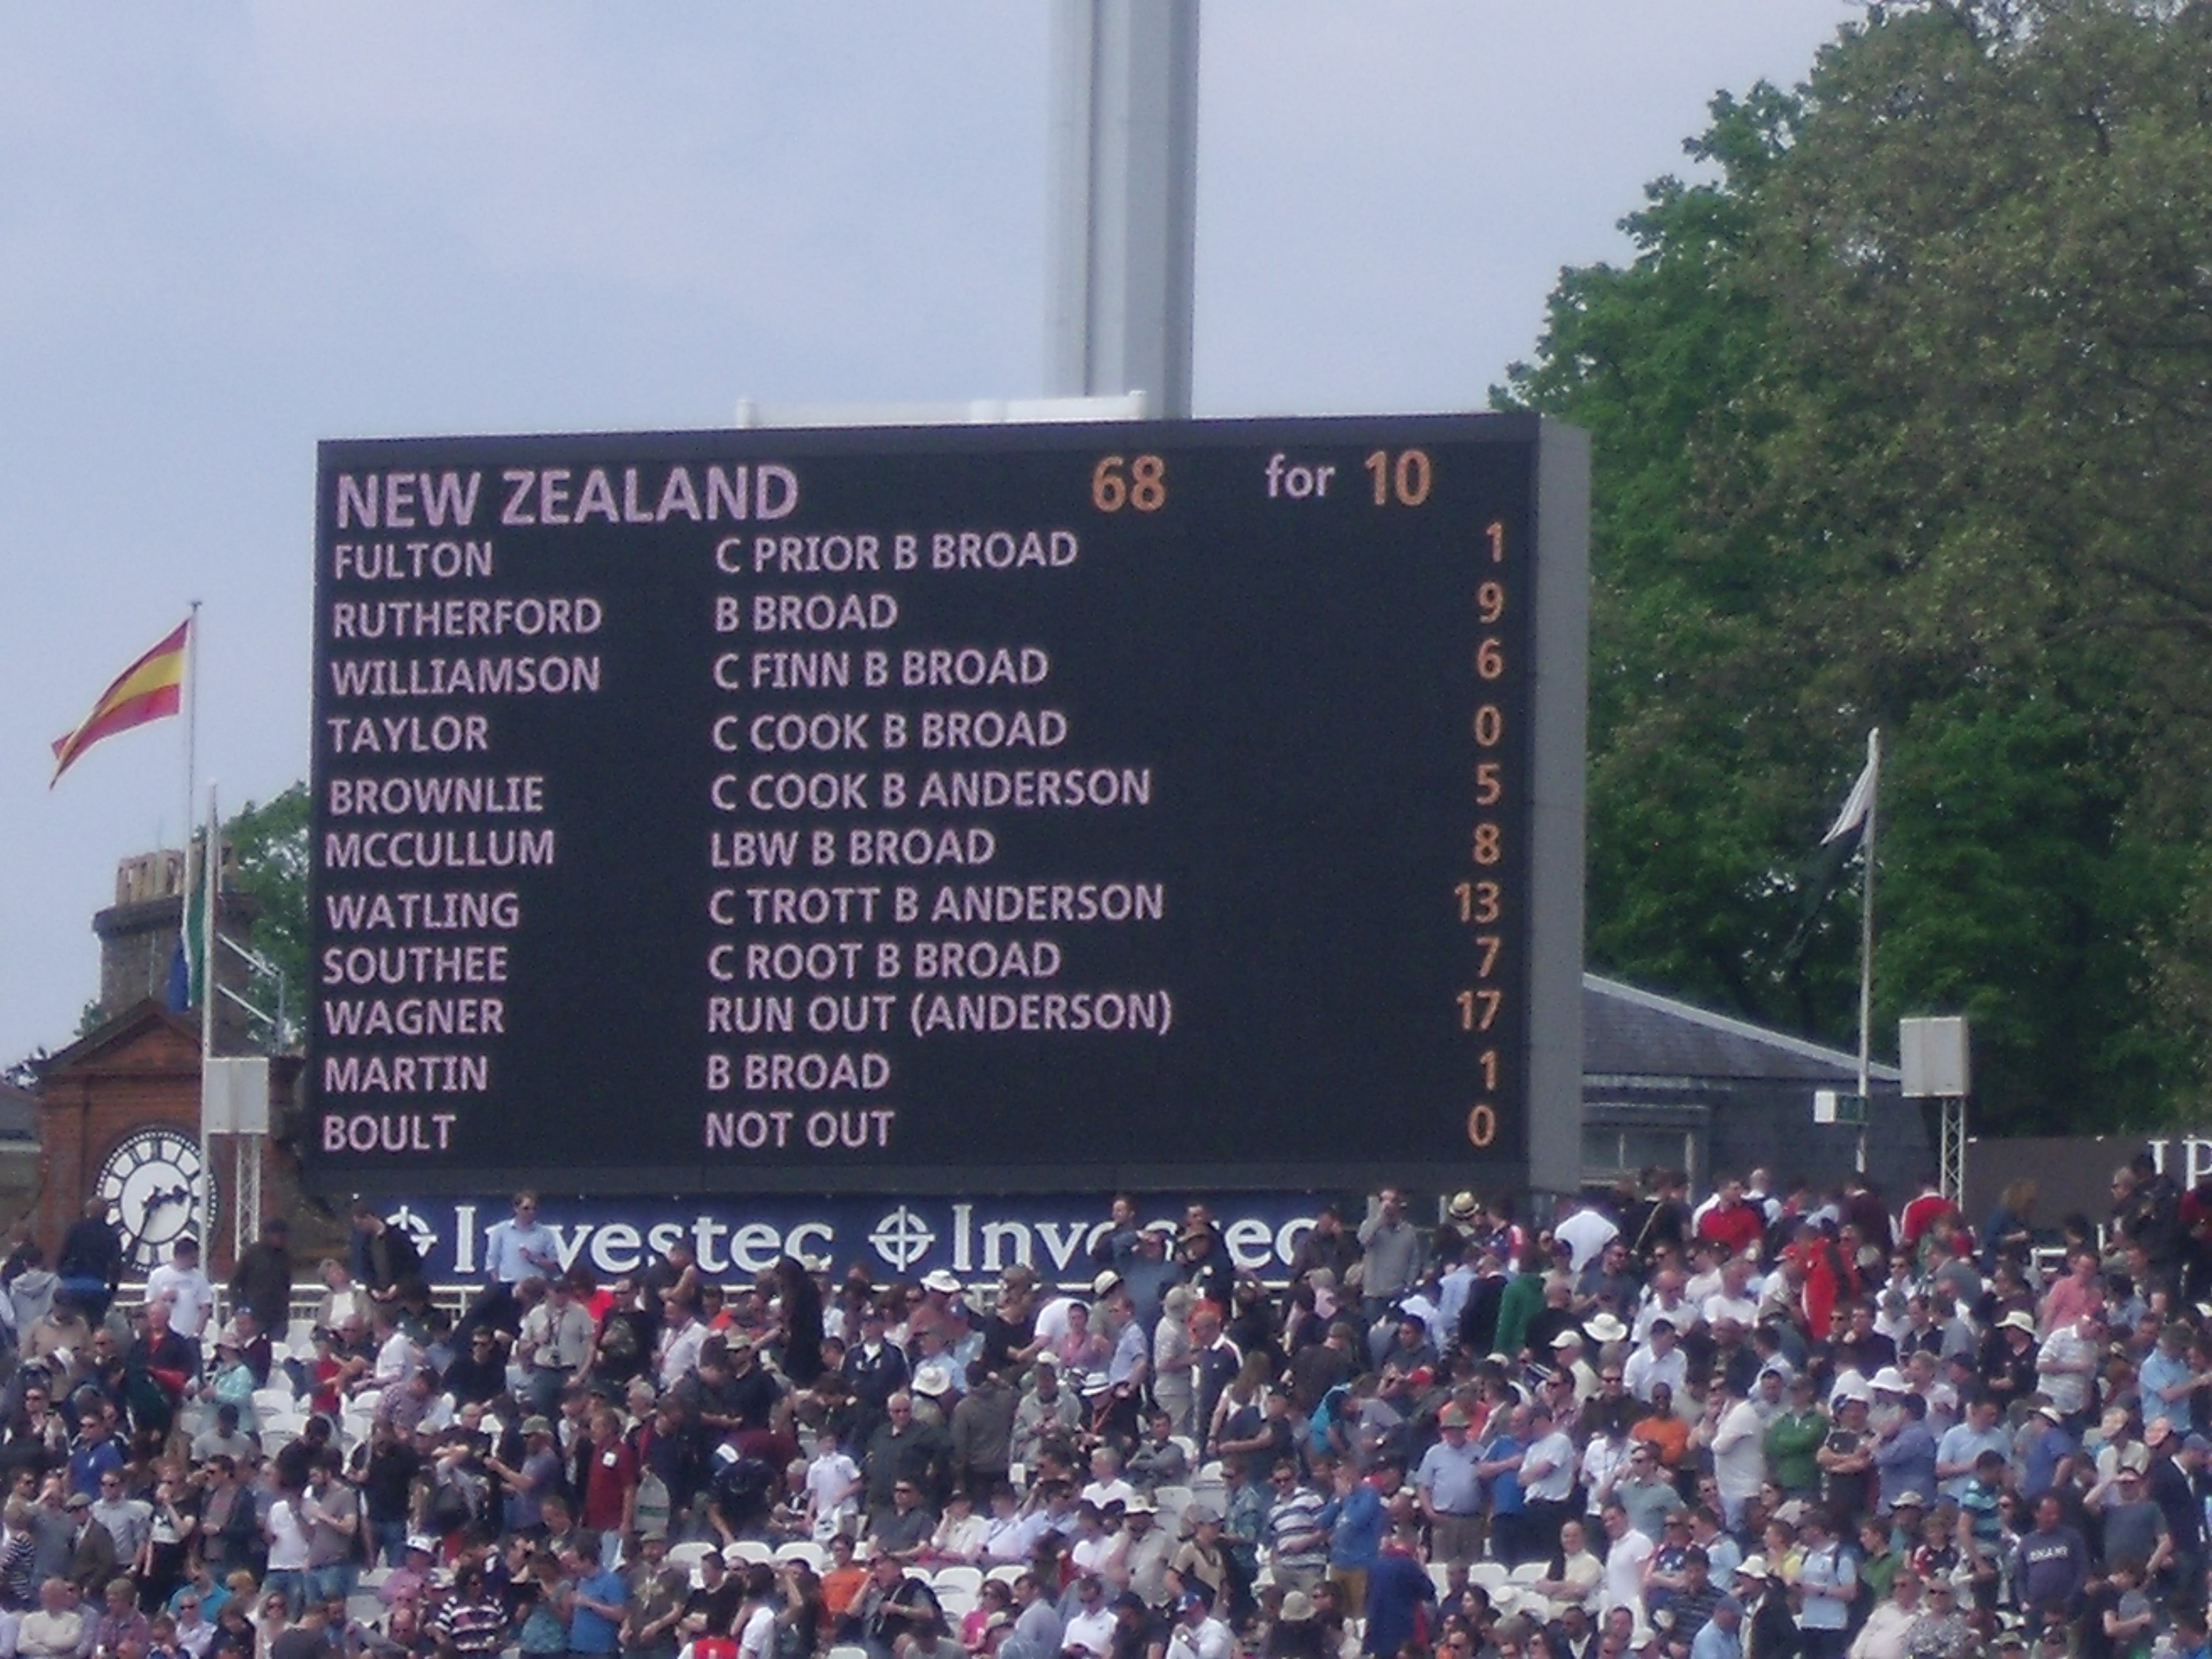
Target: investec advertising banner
(891,1237)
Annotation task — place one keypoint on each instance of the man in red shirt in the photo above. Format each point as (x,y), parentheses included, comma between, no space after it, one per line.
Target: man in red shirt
(1733,1224)
(1923,1211)
(610,1476)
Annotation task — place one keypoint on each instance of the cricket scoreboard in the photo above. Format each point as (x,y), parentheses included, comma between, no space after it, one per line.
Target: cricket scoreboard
(950,809)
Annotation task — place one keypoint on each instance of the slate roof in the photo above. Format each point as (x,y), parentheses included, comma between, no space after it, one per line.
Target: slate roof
(19,1114)
(1628,1032)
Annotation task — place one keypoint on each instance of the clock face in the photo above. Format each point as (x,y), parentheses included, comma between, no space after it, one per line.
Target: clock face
(157,1184)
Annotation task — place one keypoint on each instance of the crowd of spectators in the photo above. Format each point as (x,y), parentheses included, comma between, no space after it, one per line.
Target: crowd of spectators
(1774,1423)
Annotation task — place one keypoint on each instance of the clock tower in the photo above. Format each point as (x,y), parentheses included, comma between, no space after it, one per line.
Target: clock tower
(120,1116)
(119,1109)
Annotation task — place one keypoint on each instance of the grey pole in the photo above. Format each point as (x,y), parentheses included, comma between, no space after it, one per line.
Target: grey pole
(1124,199)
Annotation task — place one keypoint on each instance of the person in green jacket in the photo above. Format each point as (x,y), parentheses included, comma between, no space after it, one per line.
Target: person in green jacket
(1520,1301)
(1793,1438)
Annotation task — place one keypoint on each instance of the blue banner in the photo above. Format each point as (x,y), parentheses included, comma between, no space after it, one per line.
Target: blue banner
(737,1237)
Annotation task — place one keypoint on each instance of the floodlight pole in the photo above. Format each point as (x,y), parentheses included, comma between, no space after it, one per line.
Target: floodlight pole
(1951,1164)
(1124,199)
(1866,949)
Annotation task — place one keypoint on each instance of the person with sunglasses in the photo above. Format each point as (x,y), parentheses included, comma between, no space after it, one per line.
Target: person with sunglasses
(1297,1540)
(1645,1492)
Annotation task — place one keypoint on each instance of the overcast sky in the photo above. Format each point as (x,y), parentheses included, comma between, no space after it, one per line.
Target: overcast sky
(229,230)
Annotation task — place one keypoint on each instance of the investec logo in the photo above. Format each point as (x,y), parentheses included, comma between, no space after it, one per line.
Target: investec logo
(2188,1163)
(902,1239)
(898,1241)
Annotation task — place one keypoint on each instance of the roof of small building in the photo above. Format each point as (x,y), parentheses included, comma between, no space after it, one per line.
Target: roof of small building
(1628,1032)
(19,1114)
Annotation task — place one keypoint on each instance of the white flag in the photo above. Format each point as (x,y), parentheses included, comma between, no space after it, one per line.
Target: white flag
(1860,802)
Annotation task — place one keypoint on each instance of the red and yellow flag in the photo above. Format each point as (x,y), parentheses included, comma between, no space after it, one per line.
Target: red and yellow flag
(149,689)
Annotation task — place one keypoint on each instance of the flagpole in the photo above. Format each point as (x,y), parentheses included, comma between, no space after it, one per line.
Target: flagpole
(211,864)
(1866,947)
(191,735)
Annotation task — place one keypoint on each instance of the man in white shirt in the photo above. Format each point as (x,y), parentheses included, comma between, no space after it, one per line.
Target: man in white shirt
(1547,1475)
(681,1337)
(1200,1632)
(1660,1360)
(1052,1323)
(2066,1365)
(1581,1576)
(342,1299)
(59,1626)
(1106,1485)
(1882,1636)
(1706,1256)
(181,1284)
(1586,1232)
(1090,1625)
(1663,1300)
(1733,1429)
(396,1356)
(1735,1298)
(1625,1553)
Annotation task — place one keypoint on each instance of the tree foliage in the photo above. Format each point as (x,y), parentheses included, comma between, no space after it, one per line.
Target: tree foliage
(1901,419)
(268,845)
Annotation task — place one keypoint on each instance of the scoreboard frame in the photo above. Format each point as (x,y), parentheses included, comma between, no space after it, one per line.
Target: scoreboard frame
(1137,473)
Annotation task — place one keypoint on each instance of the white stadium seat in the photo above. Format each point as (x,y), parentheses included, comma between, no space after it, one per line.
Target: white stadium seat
(956,1579)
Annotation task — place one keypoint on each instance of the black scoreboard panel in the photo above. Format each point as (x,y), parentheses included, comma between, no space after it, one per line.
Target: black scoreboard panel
(948,809)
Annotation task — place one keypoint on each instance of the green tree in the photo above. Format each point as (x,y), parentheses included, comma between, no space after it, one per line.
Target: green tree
(268,845)
(1900,419)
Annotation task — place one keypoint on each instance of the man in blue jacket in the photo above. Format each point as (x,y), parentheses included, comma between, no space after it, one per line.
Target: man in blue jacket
(1355,1518)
